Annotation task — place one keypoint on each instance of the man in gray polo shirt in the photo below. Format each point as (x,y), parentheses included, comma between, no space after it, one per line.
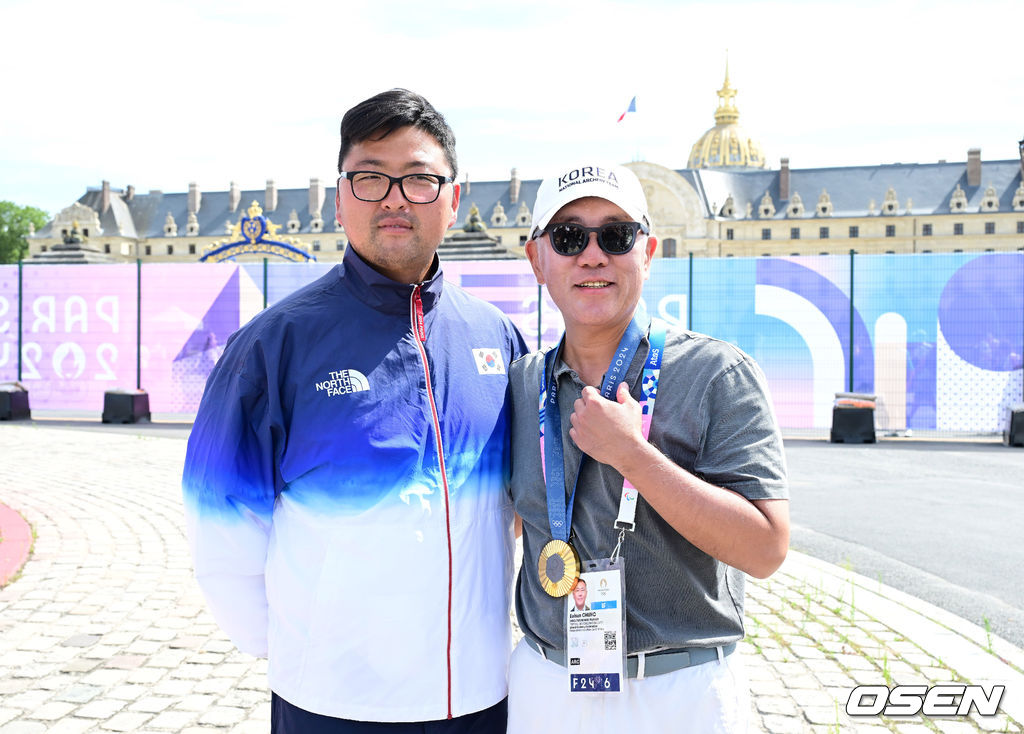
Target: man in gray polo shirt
(661,510)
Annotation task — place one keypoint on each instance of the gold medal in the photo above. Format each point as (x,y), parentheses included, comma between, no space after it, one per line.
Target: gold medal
(558,568)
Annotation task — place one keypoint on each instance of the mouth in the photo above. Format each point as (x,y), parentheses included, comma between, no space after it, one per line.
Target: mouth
(394,224)
(596,284)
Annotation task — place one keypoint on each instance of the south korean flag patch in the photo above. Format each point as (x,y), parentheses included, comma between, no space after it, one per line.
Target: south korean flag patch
(489,361)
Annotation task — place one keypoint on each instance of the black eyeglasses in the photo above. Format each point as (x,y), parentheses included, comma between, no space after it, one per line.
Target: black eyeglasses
(417,188)
(615,238)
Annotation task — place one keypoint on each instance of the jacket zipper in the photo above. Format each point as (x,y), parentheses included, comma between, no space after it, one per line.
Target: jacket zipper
(419,328)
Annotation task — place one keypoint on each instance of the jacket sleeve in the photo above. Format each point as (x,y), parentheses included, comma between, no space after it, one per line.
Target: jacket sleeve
(517,345)
(229,484)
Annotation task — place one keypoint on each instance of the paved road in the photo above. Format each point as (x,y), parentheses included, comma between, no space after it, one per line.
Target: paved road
(943,521)
(940,520)
(105,629)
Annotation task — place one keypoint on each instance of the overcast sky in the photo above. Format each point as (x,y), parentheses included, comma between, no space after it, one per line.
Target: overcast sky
(160,93)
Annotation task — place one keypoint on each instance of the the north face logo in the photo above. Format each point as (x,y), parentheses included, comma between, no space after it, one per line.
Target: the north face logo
(343,382)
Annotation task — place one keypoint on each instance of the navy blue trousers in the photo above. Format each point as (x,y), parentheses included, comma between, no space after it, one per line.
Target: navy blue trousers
(288,719)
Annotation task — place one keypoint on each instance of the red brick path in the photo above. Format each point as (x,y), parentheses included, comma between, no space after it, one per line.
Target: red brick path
(15,541)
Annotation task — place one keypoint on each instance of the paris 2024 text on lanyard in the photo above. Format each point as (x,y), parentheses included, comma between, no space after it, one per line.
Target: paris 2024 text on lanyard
(595,644)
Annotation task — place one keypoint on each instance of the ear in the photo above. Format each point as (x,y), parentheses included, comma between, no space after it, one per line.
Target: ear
(456,196)
(649,248)
(337,204)
(533,255)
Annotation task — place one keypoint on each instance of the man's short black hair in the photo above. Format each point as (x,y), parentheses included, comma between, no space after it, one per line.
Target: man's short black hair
(382,114)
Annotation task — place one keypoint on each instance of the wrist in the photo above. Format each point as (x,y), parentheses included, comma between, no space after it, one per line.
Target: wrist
(639,456)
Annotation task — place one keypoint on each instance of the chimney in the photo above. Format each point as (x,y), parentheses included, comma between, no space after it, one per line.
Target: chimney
(129,193)
(513,187)
(234,197)
(270,200)
(784,179)
(316,197)
(105,197)
(465,186)
(974,167)
(194,198)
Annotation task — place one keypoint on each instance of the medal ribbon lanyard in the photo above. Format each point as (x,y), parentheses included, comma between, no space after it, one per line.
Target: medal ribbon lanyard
(626,519)
(552,453)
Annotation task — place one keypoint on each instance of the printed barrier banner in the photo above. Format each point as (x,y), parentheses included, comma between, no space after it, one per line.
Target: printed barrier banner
(78,333)
(8,323)
(938,338)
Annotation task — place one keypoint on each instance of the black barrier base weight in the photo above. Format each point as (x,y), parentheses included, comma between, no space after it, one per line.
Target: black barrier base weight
(125,407)
(14,406)
(1014,434)
(853,425)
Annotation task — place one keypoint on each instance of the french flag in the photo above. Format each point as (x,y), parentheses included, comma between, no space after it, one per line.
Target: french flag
(631,108)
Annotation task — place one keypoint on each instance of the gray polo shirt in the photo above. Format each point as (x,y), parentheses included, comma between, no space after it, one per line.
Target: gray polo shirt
(712,417)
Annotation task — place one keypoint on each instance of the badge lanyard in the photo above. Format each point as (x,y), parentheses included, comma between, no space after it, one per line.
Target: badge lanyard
(552,452)
(626,519)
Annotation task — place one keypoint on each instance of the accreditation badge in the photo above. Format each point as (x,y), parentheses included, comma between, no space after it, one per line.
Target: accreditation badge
(595,628)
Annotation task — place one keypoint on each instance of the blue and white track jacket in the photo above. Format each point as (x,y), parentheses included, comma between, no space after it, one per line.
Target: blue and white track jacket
(346,496)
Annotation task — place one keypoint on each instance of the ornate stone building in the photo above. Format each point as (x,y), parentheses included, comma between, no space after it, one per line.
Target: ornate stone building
(727,202)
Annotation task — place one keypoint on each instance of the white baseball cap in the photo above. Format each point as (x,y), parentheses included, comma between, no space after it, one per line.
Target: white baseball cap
(617,184)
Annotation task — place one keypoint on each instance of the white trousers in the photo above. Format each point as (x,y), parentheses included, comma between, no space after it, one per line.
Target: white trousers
(712,698)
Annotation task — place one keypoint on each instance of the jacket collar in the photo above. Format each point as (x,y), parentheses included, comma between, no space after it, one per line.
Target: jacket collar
(383,294)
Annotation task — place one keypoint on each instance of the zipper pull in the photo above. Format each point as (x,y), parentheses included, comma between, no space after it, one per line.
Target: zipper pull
(417,315)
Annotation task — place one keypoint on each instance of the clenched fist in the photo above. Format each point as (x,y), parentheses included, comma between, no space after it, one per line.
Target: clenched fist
(608,431)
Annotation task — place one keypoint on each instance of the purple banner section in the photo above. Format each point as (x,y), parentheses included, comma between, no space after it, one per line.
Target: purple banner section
(78,333)
(511,286)
(8,323)
(188,313)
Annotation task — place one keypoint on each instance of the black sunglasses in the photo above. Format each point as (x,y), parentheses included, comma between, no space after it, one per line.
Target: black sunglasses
(615,238)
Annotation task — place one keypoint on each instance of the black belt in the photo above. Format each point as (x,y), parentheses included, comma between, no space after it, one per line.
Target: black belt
(655,663)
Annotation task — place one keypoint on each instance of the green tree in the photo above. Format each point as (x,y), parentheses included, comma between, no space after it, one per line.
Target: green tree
(14,225)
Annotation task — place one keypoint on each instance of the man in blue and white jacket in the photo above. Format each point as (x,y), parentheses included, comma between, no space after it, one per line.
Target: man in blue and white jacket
(346,478)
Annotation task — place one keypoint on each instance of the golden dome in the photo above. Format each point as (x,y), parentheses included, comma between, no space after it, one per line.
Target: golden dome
(726,145)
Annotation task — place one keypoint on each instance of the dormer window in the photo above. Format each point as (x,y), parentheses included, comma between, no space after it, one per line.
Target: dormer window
(990,202)
(824,204)
(796,206)
(958,200)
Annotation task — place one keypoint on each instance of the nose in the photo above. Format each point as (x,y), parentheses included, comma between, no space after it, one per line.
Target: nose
(592,254)
(394,199)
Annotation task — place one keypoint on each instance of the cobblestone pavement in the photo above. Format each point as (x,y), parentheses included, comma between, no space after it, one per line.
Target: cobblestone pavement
(105,629)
